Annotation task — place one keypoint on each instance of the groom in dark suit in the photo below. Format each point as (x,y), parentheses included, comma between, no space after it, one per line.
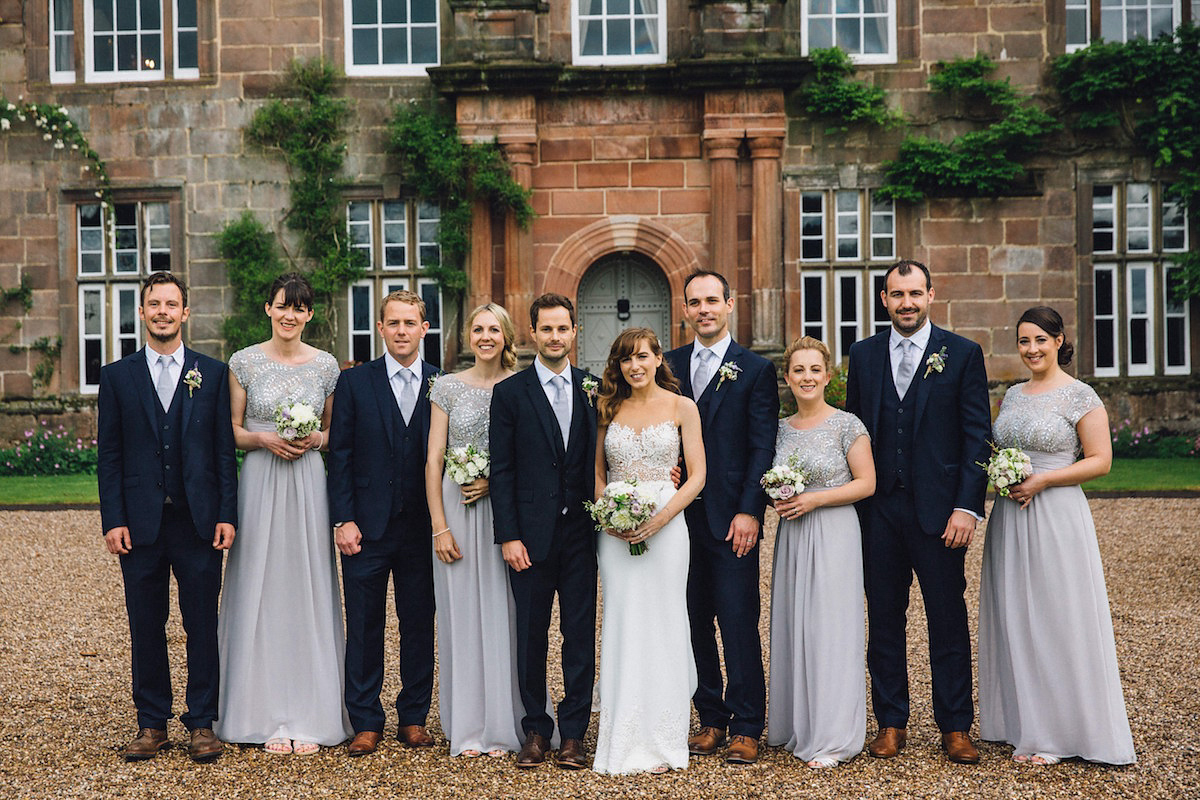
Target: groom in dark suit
(378,435)
(543,453)
(922,393)
(738,397)
(168,502)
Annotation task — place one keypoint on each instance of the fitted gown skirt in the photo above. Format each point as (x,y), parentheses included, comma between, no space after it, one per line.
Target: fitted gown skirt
(280,629)
(478,701)
(1048,678)
(818,705)
(647,670)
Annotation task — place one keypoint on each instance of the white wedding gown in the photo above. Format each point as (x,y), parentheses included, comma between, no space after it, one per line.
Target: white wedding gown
(647,671)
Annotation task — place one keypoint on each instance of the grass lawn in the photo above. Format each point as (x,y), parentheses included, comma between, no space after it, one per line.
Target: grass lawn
(1128,475)
(48,490)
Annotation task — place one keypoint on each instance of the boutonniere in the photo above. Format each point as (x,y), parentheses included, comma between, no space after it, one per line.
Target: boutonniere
(590,387)
(728,372)
(429,386)
(936,362)
(192,378)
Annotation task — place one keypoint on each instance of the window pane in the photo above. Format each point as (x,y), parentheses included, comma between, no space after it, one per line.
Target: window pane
(424,11)
(151,16)
(365,12)
(1137,291)
(187,55)
(433,310)
(1176,339)
(618,37)
(591,36)
(186,10)
(127,15)
(102,55)
(395,45)
(127,53)
(151,55)
(394,12)
(424,45)
(820,34)
(366,46)
(849,36)
(1105,348)
(1137,341)
(1104,292)
(93,313)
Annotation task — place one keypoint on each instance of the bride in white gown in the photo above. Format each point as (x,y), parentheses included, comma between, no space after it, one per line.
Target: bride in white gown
(647,671)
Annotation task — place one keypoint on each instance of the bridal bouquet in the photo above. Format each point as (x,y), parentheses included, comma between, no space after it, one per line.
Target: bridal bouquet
(784,481)
(465,464)
(1007,467)
(295,421)
(623,507)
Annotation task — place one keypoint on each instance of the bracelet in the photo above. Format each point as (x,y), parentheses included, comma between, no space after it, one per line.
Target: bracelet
(322,444)
(439,533)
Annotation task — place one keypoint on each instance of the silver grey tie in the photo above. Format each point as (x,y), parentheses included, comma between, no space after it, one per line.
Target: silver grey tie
(164,387)
(908,367)
(408,395)
(704,372)
(562,411)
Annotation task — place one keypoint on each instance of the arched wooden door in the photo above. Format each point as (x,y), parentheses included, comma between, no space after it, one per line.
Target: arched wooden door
(625,290)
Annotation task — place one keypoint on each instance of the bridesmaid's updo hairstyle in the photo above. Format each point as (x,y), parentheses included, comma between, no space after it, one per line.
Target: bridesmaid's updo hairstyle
(297,291)
(508,357)
(1051,322)
(614,388)
(807,343)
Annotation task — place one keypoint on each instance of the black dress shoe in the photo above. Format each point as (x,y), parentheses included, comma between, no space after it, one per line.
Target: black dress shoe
(572,754)
(533,752)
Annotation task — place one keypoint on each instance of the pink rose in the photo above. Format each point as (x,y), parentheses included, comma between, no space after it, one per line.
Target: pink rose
(785,491)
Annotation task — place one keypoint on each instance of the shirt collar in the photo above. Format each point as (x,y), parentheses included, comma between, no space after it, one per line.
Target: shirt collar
(920,338)
(545,374)
(719,348)
(152,355)
(393,366)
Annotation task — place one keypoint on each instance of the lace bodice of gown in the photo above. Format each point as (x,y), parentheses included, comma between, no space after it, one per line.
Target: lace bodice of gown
(647,455)
(1044,422)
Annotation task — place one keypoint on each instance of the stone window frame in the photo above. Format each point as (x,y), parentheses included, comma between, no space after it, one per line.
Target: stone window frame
(67,18)
(1095,14)
(607,60)
(869,217)
(381,278)
(809,17)
(1130,299)
(112,329)
(376,70)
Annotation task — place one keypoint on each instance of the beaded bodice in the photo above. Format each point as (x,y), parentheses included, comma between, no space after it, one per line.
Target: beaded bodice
(269,383)
(1044,422)
(647,455)
(468,408)
(820,451)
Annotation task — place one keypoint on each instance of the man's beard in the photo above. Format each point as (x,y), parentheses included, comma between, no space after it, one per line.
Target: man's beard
(162,338)
(910,329)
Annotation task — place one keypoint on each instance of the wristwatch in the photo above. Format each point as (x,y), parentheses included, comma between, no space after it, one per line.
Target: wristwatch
(337,525)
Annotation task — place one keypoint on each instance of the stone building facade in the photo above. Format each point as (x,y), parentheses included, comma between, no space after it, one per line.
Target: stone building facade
(657,136)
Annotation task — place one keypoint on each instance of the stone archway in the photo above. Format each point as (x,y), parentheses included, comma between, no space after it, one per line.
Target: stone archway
(621,290)
(625,234)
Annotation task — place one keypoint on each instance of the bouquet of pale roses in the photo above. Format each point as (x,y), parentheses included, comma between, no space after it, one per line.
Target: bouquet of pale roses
(1006,468)
(623,507)
(784,481)
(295,421)
(467,464)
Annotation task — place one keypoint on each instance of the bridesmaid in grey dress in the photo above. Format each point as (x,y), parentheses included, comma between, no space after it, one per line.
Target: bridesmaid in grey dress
(478,702)
(818,704)
(280,627)
(1048,678)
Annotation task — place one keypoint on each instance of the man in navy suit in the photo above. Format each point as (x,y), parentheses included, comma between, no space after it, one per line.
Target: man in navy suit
(922,393)
(168,502)
(378,436)
(738,397)
(543,454)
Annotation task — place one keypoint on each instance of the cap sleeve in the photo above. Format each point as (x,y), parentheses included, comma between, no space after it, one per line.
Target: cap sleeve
(330,372)
(442,394)
(850,428)
(1082,399)
(239,365)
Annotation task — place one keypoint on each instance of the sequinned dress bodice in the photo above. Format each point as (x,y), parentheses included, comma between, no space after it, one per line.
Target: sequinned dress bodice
(646,455)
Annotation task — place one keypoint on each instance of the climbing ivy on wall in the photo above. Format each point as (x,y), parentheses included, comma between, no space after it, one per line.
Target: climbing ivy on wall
(832,95)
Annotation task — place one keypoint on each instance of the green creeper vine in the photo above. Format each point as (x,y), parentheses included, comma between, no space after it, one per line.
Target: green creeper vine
(979,163)
(445,170)
(21,293)
(305,126)
(1146,96)
(833,95)
(252,260)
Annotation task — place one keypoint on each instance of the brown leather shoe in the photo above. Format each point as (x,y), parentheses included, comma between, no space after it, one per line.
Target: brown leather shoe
(364,743)
(742,750)
(414,736)
(533,752)
(888,742)
(706,741)
(959,749)
(146,744)
(205,745)
(572,754)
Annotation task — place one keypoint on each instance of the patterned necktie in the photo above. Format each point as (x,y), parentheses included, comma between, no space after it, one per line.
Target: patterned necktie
(164,387)
(908,367)
(704,372)
(562,411)
(408,394)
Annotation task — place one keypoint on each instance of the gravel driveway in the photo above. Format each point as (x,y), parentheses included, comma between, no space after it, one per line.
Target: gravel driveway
(65,707)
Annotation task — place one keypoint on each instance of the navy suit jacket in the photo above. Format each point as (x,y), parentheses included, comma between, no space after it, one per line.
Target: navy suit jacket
(953,421)
(527,484)
(363,446)
(740,420)
(130,468)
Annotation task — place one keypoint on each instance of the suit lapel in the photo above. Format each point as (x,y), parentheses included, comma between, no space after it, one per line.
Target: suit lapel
(383,396)
(542,409)
(145,389)
(581,411)
(711,395)
(685,370)
(879,365)
(920,378)
(421,414)
(189,357)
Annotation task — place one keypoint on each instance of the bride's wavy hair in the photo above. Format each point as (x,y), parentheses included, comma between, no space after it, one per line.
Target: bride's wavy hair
(614,389)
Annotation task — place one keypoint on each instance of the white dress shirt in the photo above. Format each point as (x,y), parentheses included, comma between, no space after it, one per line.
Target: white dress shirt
(719,349)
(175,365)
(393,366)
(545,376)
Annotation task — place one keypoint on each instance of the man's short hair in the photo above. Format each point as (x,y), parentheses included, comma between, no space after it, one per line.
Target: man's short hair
(406,297)
(550,300)
(159,278)
(904,267)
(703,273)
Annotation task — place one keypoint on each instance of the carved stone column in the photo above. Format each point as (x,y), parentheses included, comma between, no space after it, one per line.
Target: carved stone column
(721,149)
(518,242)
(479,264)
(766,147)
